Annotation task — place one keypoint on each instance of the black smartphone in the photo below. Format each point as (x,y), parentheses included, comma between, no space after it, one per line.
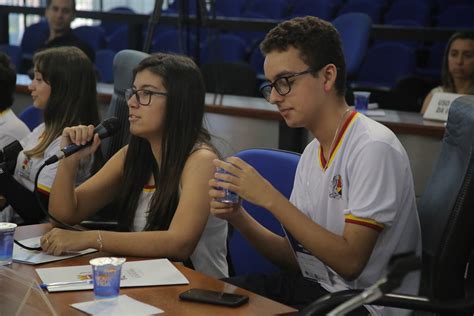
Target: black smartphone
(214,297)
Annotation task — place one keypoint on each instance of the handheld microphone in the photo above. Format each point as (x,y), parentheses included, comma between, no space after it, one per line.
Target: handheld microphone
(105,129)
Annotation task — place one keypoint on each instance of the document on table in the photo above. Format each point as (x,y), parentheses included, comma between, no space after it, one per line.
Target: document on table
(123,305)
(134,273)
(22,255)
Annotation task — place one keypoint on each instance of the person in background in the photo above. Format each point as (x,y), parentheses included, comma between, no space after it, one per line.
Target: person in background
(457,73)
(353,202)
(60,14)
(11,127)
(159,179)
(64,87)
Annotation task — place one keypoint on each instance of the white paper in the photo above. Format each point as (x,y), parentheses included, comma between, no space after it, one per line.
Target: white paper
(374,113)
(134,273)
(122,305)
(22,255)
(438,108)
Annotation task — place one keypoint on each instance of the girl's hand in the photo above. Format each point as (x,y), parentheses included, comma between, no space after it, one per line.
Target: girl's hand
(59,241)
(80,135)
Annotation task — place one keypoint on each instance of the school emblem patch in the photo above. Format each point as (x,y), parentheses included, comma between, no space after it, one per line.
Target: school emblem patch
(335,191)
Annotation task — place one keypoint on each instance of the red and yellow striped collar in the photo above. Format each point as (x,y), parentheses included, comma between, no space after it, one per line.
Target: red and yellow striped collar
(322,161)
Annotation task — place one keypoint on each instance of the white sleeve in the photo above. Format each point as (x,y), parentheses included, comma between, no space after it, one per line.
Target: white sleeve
(46,178)
(376,184)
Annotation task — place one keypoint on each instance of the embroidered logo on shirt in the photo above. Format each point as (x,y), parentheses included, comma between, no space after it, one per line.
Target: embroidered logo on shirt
(336,187)
(24,170)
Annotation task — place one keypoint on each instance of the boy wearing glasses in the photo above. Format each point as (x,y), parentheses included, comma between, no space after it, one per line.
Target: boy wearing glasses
(353,201)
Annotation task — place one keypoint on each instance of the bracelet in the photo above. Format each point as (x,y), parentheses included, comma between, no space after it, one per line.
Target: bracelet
(99,241)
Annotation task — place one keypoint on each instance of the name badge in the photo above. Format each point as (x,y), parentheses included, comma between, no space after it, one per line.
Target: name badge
(438,108)
(311,267)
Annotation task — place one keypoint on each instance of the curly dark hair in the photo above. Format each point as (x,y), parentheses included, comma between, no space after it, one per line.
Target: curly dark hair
(317,40)
(7,82)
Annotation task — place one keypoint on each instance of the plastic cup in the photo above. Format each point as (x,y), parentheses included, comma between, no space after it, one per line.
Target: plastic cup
(230,197)
(7,230)
(106,274)
(361,100)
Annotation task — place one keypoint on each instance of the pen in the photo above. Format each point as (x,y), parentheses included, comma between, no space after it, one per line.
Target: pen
(46,285)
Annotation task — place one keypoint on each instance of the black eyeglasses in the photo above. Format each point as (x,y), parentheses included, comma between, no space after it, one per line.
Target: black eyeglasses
(282,85)
(143,96)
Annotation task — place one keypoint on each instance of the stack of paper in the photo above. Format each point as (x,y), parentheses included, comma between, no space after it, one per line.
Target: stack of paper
(22,255)
(134,273)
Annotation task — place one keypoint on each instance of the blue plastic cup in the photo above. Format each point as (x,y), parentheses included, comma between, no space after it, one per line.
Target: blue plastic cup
(361,100)
(7,230)
(230,196)
(106,275)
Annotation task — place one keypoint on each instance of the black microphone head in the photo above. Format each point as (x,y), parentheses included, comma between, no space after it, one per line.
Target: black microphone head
(108,127)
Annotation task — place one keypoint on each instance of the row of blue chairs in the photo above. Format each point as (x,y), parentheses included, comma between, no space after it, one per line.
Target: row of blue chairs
(452,13)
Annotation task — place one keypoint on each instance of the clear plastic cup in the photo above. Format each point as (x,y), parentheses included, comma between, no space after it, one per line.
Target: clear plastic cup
(106,274)
(361,100)
(7,230)
(230,196)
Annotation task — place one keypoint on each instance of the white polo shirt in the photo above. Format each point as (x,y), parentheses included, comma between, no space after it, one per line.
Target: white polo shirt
(368,182)
(11,128)
(27,168)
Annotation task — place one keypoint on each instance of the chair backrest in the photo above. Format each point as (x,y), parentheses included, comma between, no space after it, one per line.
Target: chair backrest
(460,16)
(173,41)
(385,63)
(279,168)
(33,37)
(256,60)
(223,48)
(14,52)
(230,78)
(124,63)
(31,116)
(231,8)
(94,36)
(322,9)
(118,40)
(354,29)
(272,9)
(111,26)
(369,7)
(408,11)
(104,62)
(447,207)
(409,92)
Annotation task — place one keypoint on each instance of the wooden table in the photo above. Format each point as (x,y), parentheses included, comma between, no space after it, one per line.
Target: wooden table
(163,297)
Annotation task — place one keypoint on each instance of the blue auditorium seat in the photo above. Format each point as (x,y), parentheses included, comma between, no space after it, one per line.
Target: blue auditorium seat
(32,117)
(15,54)
(256,61)
(408,11)
(324,9)
(173,41)
(33,37)
(229,8)
(94,36)
(434,61)
(279,168)
(223,48)
(460,16)
(354,29)
(118,40)
(104,62)
(371,8)
(384,64)
(272,9)
(111,26)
